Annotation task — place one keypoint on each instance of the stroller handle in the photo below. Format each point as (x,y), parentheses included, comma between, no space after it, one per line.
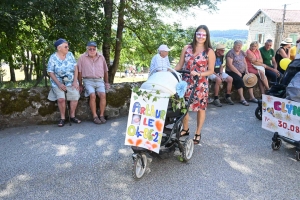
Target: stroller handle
(196,78)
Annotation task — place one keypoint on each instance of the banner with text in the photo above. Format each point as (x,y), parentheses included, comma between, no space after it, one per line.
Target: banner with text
(146,120)
(282,116)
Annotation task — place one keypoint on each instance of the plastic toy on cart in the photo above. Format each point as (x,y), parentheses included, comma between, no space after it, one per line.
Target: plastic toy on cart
(153,127)
(280,113)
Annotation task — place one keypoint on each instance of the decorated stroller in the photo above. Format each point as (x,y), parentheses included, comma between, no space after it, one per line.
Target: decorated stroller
(280,111)
(155,120)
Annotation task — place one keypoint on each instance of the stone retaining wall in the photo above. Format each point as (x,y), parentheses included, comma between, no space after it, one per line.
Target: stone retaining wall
(22,107)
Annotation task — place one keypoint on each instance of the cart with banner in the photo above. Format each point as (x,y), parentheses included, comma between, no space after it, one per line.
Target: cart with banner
(154,125)
(282,116)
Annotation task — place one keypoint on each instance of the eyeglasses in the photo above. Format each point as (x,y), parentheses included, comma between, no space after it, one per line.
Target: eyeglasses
(92,49)
(66,47)
(200,35)
(222,50)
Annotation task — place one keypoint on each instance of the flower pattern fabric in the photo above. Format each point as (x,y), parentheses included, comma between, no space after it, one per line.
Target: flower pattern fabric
(62,68)
(198,63)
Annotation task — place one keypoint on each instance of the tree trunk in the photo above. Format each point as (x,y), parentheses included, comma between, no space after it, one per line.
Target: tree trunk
(26,66)
(11,69)
(118,48)
(108,11)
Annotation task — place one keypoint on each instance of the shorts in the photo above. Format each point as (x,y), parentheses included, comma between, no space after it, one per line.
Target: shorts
(213,76)
(56,93)
(93,85)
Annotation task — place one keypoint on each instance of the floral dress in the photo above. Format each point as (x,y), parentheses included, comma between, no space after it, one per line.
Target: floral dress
(198,63)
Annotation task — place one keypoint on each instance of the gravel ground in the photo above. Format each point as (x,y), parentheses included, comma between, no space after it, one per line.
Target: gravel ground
(86,161)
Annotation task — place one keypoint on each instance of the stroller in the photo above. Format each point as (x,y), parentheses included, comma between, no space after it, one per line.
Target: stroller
(279,89)
(171,140)
(285,127)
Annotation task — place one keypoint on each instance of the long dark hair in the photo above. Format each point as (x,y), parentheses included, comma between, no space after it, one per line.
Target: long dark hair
(207,43)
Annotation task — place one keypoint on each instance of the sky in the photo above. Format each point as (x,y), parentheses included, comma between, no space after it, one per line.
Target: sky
(232,14)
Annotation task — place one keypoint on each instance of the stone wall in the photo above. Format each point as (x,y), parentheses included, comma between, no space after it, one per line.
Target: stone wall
(22,107)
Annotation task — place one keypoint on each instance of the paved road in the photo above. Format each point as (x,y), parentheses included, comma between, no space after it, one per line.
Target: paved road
(88,161)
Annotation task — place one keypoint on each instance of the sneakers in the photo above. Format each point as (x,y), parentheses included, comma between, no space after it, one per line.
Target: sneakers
(229,101)
(217,103)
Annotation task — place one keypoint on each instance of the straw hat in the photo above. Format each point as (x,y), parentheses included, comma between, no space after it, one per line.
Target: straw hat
(220,46)
(287,41)
(250,80)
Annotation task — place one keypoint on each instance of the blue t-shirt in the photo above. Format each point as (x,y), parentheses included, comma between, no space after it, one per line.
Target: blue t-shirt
(62,68)
(218,63)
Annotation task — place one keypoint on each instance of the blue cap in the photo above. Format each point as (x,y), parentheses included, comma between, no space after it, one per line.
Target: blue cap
(91,43)
(59,42)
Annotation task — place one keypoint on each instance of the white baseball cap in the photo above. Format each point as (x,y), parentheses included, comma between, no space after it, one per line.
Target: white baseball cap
(163,47)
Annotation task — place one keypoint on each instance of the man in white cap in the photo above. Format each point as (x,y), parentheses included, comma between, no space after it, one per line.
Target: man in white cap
(219,76)
(93,72)
(160,62)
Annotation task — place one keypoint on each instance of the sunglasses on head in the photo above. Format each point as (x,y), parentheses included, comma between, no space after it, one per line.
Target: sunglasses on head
(200,35)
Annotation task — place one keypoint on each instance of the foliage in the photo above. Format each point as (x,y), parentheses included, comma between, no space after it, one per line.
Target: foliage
(28,30)
(154,95)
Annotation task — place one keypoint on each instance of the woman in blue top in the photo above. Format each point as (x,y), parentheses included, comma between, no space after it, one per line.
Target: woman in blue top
(63,73)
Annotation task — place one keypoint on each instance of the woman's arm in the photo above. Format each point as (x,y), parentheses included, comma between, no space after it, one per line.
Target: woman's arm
(211,63)
(181,60)
(283,54)
(245,63)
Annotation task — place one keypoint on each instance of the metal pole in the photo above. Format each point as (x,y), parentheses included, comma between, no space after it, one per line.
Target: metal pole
(283,18)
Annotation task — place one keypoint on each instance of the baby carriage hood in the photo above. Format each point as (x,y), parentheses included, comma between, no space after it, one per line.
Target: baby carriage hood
(165,82)
(291,71)
(293,89)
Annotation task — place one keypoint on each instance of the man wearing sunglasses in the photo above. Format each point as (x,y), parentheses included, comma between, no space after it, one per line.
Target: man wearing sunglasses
(93,73)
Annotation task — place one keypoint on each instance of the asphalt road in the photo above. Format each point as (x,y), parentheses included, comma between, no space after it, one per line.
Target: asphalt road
(88,161)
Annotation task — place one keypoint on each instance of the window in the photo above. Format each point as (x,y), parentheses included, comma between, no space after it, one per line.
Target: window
(294,36)
(260,38)
(262,19)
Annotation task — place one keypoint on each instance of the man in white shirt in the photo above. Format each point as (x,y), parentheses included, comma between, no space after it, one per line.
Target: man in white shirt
(160,62)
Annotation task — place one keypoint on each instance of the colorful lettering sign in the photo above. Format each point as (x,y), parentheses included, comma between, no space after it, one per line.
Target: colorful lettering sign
(146,120)
(282,116)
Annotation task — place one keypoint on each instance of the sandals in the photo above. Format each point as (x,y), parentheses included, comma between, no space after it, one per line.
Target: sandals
(102,119)
(96,120)
(195,138)
(75,120)
(244,102)
(186,132)
(61,122)
(254,100)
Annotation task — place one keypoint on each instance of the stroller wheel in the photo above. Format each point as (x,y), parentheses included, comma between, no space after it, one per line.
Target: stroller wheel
(188,149)
(276,145)
(139,165)
(258,113)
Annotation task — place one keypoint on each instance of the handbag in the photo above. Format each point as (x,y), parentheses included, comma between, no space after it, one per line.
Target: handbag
(260,68)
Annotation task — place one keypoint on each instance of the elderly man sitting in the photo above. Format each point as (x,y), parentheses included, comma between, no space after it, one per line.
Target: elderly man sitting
(160,62)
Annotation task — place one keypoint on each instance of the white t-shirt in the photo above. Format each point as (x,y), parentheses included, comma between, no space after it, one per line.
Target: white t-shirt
(159,63)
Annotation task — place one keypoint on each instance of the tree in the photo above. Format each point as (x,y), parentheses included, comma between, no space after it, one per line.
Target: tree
(142,16)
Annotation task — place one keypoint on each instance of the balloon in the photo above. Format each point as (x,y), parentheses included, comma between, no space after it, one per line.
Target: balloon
(284,63)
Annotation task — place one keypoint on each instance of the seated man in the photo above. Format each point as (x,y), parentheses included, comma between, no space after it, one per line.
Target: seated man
(93,72)
(218,76)
(268,55)
(160,62)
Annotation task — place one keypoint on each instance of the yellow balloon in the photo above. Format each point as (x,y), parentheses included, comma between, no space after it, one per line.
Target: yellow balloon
(284,63)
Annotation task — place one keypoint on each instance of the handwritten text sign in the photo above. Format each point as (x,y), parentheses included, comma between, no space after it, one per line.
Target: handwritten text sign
(282,116)
(146,121)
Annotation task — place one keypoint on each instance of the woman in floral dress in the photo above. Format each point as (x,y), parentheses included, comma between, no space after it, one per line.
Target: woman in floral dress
(198,58)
